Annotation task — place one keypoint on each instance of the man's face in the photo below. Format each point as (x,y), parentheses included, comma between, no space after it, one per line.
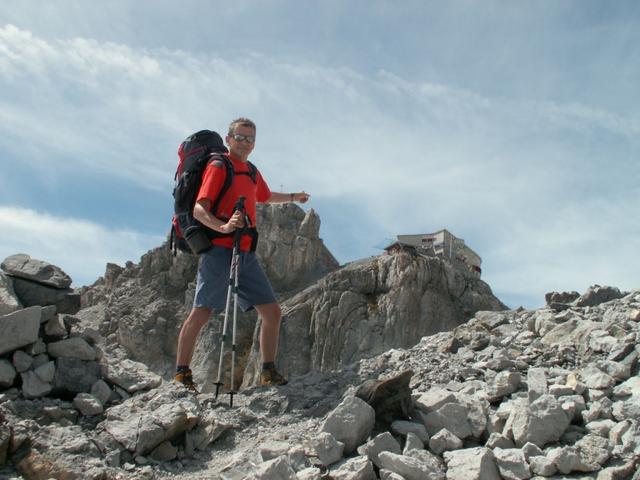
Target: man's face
(242,141)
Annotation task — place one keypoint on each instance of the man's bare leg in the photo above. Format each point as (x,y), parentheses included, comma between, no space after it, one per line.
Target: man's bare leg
(269,335)
(270,314)
(197,318)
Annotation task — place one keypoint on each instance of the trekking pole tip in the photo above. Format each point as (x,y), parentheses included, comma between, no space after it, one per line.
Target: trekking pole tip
(218,385)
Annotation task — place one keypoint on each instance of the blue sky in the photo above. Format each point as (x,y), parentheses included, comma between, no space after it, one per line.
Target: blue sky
(515,125)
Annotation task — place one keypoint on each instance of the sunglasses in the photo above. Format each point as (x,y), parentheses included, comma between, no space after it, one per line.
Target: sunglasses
(246,138)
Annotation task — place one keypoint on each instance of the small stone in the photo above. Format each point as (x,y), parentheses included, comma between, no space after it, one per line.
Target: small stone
(22,361)
(541,465)
(444,441)
(87,404)
(402,427)
(498,440)
(412,442)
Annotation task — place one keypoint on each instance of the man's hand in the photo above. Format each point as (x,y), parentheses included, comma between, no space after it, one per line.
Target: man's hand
(236,221)
(301,197)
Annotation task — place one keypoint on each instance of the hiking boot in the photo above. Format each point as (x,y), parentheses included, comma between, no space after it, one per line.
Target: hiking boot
(270,377)
(186,378)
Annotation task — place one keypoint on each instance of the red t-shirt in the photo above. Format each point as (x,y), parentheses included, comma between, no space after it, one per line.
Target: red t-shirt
(212,181)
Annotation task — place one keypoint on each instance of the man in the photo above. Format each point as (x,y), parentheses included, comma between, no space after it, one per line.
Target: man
(254,289)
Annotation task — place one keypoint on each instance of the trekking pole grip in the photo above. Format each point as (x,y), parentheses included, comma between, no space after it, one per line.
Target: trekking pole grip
(239,206)
(240,203)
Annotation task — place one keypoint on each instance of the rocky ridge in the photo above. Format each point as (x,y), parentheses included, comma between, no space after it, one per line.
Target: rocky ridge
(511,394)
(547,393)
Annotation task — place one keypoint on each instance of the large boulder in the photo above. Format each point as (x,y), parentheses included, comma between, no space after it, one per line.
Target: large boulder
(32,293)
(23,266)
(542,422)
(19,329)
(350,423)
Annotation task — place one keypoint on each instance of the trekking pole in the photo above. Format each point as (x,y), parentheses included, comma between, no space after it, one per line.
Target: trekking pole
(232,391)
(233,287)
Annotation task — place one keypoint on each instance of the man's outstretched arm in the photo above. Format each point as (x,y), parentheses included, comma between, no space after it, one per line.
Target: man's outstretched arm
(281,197)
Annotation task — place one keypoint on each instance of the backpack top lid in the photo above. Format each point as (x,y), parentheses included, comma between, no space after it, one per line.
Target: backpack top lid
(204,138)
(204,142)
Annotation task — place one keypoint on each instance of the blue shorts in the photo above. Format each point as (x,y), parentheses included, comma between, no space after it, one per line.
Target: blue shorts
(213,281)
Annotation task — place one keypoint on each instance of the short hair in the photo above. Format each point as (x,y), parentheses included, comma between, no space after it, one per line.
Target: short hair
(245,122)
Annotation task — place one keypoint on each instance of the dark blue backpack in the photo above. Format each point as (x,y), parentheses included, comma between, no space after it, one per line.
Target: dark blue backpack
(195,153)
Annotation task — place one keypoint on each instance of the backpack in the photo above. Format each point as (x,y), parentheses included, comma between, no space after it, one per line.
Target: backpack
(195,153)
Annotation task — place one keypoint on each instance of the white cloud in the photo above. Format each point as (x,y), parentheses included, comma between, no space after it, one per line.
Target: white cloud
(510,175)
(81,248)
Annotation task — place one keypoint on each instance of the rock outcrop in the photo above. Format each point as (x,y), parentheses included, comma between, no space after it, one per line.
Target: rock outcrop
(370,306)
(506,395)
(142,306)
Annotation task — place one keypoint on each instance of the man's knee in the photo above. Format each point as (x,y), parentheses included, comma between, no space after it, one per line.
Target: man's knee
(271,313)
(199,315)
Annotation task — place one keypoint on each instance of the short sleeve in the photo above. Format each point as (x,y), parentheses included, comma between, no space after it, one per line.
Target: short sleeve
(212,181)
(263,193)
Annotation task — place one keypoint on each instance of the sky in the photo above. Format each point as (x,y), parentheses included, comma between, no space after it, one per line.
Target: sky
(514,125)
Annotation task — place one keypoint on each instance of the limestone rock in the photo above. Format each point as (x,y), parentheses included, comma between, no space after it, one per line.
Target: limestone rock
(536,384)
(60,452)
(327,448)
(596,295)
(329,324)
(561,297)
(9,301)
(542,422)
(358,468)
(74,347)
(498,440)
(23,266)
(19,329)
(350,423)
(290,247)
(207,431)
(164,452)
(87,404)
(101,391)
(471,464)
(276,468)
(145,421)
(505,383)
(7,373)
(433,399)
(383,442)
(31,294)
(452,417)
(408,467)
(541,465)
(75,375)
(444,441)
(22,361)
(130,375)
(33,386)
(568,459)
(512,464)
(403,427)
(412,442)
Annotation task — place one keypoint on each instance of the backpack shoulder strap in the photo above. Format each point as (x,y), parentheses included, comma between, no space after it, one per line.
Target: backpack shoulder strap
(253,171)
(223,162)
